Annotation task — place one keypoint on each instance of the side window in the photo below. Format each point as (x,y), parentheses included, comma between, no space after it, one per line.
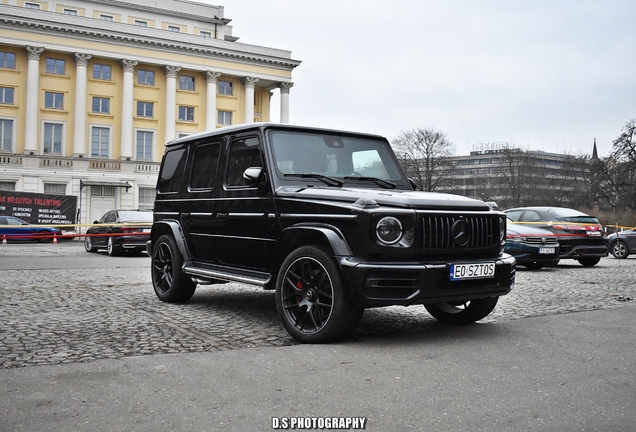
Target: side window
(172,169)
(514,215)
(531,216)
(244,153)
(205,166)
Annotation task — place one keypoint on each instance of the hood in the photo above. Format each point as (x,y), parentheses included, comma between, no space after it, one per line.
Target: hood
(525,230)
(385,197)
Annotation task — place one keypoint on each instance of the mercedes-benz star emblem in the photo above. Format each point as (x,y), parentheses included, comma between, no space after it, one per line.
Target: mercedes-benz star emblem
(460,232)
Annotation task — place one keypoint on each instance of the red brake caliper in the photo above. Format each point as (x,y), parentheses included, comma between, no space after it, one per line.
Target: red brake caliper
(299,285)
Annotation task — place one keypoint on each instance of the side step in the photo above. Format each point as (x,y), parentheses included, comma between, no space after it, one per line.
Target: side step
(252,278)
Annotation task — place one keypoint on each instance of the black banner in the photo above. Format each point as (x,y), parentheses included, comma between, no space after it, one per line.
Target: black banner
(39,209)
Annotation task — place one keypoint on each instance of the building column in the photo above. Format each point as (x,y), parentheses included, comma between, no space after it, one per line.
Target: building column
(79,129)
(210,104)
(32,93)
(171,102)
(250,83)
(127,105)
(284,101)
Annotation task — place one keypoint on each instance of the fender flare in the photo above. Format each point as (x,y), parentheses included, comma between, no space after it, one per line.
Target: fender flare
(159,228)
(331,234)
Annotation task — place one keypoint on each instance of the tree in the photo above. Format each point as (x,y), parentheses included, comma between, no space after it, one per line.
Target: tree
(622,172)
(425,155)
(624,147)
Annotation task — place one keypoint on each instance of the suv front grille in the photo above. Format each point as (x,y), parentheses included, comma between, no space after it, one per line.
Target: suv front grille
(541,240)
(483,232)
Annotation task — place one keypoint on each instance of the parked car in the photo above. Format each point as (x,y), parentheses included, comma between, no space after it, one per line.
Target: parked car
(327,219)
(622,243)
(120,230)
(581,236)
(532,247)
(16,229)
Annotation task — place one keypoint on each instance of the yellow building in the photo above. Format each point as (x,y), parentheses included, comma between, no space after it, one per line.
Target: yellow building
(90,90)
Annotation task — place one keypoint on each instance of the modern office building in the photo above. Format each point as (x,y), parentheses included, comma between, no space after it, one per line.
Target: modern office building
(90,90)
(512,176)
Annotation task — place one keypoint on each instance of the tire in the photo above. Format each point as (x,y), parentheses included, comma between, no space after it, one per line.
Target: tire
(88,245)
(619,250)
(463,312)
(111,248)
(169,282)
(311,300)
(589,261)
(43,237)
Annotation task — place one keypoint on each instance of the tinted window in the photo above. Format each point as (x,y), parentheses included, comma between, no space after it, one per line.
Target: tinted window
(204,169)
(172,171)
(514,215)
(244,153)
(531,216)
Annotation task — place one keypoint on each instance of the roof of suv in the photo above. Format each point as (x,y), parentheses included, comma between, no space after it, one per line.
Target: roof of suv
(261,126)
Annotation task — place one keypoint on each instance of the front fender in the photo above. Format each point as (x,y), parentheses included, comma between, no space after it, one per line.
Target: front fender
(329,233)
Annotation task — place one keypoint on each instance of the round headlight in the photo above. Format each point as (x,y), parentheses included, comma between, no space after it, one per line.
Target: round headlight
(389,230)
(502,229)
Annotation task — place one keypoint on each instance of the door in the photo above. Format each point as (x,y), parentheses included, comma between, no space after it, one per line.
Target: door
(246,226)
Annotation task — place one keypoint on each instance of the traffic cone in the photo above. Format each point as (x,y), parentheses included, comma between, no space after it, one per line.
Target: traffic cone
(4,239)
(54,238)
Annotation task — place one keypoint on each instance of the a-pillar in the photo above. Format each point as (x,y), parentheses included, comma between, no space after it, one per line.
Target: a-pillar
(171,102)
(250,83)
(127,106)
(32,91)
(79,129)
(210,103)
(284,101)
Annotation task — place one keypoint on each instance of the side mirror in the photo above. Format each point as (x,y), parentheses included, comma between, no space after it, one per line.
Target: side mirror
(95,222)
(253,175)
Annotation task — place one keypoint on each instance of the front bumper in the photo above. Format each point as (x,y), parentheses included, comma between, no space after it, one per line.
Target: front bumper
(385,284)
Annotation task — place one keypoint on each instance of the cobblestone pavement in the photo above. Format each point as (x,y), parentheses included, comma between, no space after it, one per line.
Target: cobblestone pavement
(107,310)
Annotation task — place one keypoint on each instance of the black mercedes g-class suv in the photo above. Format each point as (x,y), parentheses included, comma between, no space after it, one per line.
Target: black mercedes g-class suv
(326,218)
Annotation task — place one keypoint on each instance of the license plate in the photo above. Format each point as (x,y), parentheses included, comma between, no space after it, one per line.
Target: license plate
(547,250)
(472,271)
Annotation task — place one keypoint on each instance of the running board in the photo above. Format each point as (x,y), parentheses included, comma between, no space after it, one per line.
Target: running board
(252,279)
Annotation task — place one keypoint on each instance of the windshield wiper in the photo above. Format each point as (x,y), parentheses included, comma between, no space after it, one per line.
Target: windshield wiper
(387,184)
(325,179)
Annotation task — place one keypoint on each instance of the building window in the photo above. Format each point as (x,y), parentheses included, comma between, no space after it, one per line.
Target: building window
(55,66)
(101,72)
(7,186)
(141,23)
(106,18)
(225,117)
(54,100)
(103,191)
(53,138)
(186,82)
(144,109)
(70,12)
(7,60)
(32,6)
(100,137)
(147,198)
(144,145)
(206,34)
(145,77)
(101,105)
(6,95)
(226,87)
(174,29)
(6,135)
(54,188)
(186,113)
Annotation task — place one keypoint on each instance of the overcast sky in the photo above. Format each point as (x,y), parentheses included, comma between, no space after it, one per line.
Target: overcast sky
(542,75)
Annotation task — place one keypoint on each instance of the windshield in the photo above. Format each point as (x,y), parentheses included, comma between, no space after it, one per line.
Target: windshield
(570,215)
(297,154)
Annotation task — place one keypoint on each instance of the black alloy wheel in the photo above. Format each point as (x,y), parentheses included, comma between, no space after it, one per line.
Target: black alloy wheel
(311,300)
(588,261)
(619,250)
(44,236)
(169,282)
(462,312)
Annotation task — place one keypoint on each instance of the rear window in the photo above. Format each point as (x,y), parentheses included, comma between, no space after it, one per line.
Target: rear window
(570,215)
(135,216)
